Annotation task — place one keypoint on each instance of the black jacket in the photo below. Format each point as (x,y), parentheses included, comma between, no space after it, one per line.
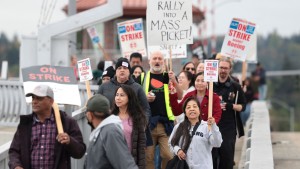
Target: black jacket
(19,151)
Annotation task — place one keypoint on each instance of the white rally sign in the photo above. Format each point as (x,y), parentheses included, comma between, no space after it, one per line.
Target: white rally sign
(85,70)
(169,22)
(131,37)
(238,40)
(211,70)
(178,51)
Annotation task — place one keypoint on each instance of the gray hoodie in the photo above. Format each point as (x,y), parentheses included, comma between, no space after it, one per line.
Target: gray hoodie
(108,148)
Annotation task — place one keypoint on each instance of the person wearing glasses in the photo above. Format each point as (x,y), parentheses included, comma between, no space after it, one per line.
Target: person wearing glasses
(233,102)
(37,144)
(189,66)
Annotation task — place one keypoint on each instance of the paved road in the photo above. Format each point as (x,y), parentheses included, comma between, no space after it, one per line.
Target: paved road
(286,150)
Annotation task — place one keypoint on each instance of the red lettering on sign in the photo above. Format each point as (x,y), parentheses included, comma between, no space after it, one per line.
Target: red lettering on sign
(242,27)
(129,28)
(133,36)
(239,35)
(48,70)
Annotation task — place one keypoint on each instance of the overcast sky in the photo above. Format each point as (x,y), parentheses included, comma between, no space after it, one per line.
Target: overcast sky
(21,17)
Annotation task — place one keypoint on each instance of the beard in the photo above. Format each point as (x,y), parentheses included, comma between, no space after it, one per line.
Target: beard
(157,69)
(91,125)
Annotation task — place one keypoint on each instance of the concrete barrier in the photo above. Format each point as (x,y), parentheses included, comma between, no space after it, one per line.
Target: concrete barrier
(257,150)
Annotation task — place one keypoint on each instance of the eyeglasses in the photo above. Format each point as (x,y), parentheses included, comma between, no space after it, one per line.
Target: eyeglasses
(189,68)
(224,68)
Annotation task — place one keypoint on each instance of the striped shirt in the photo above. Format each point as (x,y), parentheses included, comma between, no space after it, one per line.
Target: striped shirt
(42,143)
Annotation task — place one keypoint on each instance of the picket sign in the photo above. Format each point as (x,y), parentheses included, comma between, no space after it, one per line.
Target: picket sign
(85,74)
(169,23)
(210,75)
(131,37)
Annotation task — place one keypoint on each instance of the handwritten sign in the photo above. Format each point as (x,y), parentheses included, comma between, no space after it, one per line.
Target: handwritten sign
(237,41)
(178,51)
(131,37)
(61,79)
(169,22)
(211,70)
(85,70)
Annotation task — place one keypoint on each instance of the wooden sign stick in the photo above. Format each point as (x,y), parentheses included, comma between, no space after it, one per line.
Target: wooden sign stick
(106,57)
(210,100)
(57,118)
(170,57)
(88,89)
(244,71)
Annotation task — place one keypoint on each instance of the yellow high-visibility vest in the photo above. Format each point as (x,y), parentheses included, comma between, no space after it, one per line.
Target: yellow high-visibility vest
(166,94)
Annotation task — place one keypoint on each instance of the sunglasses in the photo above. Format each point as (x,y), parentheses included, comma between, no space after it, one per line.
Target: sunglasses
(189,68)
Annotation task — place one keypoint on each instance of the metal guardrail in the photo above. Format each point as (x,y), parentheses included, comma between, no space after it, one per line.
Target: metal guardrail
(79,116)
(257,152)
(13,104)
(257,149)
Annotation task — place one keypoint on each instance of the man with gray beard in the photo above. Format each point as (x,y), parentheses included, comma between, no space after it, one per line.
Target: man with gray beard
(162,119)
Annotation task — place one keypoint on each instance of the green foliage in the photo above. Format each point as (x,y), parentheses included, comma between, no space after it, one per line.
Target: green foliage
(9,50)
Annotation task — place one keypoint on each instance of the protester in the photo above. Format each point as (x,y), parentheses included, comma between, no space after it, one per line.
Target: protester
(138,74)
(107,147)
(162,119)
(201,93)
(97,73)
(189,66)
(75,66)
(195,59)
(200,68)
(249,94)
(198,154)
(261,74)
(108,74)
(232,103)
(37,144)
(136,59)
(186,84)
(133,122)
(123,77)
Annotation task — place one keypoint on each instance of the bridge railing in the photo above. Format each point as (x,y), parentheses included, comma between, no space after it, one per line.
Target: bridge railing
(13,104)
(257,150)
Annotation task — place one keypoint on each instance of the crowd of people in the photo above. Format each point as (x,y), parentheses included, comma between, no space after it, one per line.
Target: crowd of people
(142,119)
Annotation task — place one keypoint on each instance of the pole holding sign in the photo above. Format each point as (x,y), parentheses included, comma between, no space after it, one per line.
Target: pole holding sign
(57,118)
(92,31)
(210,75)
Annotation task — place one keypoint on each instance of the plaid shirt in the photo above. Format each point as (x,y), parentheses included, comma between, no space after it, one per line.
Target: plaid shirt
(42,143)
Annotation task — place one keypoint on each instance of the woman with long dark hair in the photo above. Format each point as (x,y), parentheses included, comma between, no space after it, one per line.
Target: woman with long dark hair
(198,147)
(134,122)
